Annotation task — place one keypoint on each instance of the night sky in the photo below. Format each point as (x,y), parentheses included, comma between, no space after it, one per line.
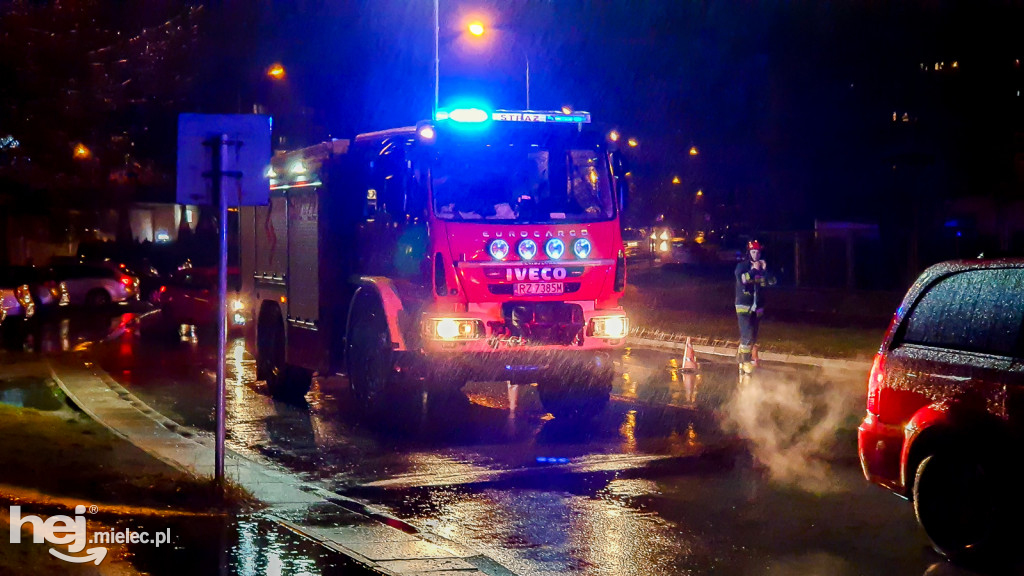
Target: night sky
(791,104)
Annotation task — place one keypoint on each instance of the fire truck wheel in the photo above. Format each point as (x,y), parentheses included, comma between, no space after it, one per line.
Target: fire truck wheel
(578,397)
(283,380)
(369,354)
(269,344)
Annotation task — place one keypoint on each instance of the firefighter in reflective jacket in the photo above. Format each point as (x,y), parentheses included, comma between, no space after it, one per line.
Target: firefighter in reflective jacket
(752,276)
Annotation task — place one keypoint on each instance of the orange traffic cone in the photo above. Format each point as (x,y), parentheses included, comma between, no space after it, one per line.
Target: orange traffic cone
(689,358)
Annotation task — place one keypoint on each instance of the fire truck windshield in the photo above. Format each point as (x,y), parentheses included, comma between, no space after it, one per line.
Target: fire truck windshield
(522,183)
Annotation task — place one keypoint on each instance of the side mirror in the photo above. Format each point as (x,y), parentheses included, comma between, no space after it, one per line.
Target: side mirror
(620,168)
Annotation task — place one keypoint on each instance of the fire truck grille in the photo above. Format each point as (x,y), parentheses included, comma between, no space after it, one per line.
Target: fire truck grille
(506,289)
(543,323)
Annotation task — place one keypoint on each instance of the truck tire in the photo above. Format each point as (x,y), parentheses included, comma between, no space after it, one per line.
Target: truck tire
(576,396)
(370,353)
(284,381)
(956,501)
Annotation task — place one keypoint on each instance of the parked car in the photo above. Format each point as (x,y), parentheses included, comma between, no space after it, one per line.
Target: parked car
(190,297)
(635,243)
(150,280)
(945,405)
(15,296)
(47,292)
(95,285)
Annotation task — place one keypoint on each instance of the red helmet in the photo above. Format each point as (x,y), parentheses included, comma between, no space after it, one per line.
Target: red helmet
(753,245)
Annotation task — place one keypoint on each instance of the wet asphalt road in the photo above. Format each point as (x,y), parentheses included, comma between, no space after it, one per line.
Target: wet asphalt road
(681,474)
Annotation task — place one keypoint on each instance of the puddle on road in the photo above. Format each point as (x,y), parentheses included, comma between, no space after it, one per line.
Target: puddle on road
(226,545)
(31,392)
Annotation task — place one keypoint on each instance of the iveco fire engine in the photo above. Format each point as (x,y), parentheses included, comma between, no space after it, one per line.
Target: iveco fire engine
(481,245)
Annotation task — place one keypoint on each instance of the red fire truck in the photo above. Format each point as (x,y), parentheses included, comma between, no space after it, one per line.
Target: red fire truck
(482,245)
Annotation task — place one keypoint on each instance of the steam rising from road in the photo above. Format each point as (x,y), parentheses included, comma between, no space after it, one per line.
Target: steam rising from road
(791,425)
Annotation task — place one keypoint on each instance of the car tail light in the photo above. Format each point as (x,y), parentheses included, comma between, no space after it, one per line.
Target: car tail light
(875,380)
(24,295)
(163,289)
(127,281)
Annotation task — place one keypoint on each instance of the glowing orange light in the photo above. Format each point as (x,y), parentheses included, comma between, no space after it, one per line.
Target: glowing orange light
(284,299)
(632,143)
(700,193)
(676,180)
(613,136)
(476,29)
(276,71)
(566,110)
(693,151)
(81,152)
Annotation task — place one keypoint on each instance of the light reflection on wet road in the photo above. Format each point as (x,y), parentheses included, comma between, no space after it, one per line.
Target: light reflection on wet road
(682,474)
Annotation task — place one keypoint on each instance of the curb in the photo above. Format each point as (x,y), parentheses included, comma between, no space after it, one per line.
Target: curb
(669,341)
(373,539)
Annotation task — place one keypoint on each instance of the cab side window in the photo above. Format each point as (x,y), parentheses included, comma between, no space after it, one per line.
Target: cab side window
(972,311)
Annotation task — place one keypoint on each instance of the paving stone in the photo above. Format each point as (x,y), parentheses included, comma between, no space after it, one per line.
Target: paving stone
(431,566)
(380,551)
(347,535)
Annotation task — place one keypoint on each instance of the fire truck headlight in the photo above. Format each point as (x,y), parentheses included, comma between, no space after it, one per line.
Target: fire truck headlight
(581,248)
(527,249)
(663,246)
(498,249)
(664,235)
(554,248)
(237,305)
(612,327)
(454,328)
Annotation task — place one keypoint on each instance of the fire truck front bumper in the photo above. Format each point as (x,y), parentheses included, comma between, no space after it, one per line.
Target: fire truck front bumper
(516,366)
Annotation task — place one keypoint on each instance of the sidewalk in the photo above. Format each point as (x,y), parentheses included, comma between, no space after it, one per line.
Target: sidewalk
(801,325)
(373,539)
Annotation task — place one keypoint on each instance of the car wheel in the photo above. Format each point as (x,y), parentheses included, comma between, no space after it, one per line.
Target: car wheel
(370,353)
(956,500)
(576,396)
(97,298)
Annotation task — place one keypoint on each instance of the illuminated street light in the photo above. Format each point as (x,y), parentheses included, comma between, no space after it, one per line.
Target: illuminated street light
(676,180)
(693,151)
(476,29)
(632,143)
(613,136)
(276,71)
(81,152)
(700,193)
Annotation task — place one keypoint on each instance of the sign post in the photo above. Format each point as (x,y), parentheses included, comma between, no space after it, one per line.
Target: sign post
(236,148)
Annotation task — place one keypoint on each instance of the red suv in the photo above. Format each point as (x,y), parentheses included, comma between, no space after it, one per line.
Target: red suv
(945,404)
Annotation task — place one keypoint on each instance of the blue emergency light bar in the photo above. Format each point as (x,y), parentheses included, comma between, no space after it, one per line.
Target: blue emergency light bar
(476,116)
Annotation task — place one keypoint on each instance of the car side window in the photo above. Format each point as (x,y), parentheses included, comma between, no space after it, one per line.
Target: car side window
(975,311)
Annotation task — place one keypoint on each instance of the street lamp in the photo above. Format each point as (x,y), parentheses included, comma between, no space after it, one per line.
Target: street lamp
(276,71)
(477,29)
(82,152)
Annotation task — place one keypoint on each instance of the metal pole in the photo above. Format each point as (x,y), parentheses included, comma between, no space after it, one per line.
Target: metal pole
(527,79)
(437,58)
(220,162)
